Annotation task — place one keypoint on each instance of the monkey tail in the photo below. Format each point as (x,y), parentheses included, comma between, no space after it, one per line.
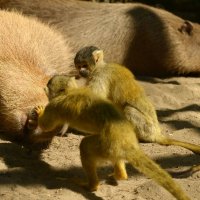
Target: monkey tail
(148,167)
(192,147)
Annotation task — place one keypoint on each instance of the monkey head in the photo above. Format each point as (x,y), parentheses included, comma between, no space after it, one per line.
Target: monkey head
(58,85)
(87,59)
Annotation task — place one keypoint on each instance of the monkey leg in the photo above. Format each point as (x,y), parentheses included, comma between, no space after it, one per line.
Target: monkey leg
(149,131)
(89,156)
(120,170)
(118,174)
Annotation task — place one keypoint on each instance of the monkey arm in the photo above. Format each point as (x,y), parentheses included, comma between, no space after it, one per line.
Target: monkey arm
(40,126)
(98,86)
(47,119)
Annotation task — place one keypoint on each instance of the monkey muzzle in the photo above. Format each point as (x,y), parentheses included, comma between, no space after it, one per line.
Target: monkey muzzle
(84,72)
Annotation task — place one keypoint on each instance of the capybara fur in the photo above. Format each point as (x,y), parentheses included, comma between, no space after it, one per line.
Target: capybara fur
(30,52)
(148,40)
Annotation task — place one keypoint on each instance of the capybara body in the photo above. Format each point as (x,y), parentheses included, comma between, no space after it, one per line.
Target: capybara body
(148,40)
(30,53)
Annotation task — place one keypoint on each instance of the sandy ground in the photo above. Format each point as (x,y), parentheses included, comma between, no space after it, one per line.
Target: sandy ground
(24,176)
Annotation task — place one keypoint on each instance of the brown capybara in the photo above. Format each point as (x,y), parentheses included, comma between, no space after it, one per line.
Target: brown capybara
(148,40)
(29,54)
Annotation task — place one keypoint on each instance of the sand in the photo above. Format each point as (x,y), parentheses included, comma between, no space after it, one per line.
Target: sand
(24,176)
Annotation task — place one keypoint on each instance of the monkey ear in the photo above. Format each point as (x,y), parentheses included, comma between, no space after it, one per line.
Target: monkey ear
(98,56)
(72,83)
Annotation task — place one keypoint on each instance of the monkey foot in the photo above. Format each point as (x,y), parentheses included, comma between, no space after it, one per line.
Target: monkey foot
(112,180)
(118,176)
(86,185)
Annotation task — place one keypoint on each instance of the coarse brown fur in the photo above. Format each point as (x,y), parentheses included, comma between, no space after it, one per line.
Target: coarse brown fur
(147,40)
(30,52)
(117,83)
(113,137)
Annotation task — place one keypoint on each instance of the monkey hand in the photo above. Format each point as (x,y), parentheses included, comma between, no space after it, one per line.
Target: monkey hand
(38,110)
(33,117)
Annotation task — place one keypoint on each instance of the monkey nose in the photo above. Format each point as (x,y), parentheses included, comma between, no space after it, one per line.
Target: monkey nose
(84,72)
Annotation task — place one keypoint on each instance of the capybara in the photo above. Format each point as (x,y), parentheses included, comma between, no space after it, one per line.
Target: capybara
(30,52)
(148,40)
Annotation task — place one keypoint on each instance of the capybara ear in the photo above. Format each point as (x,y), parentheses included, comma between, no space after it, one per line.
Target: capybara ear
(186,27)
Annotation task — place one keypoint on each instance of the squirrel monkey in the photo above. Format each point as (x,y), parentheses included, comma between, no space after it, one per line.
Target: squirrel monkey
(112,136)
(117,83)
